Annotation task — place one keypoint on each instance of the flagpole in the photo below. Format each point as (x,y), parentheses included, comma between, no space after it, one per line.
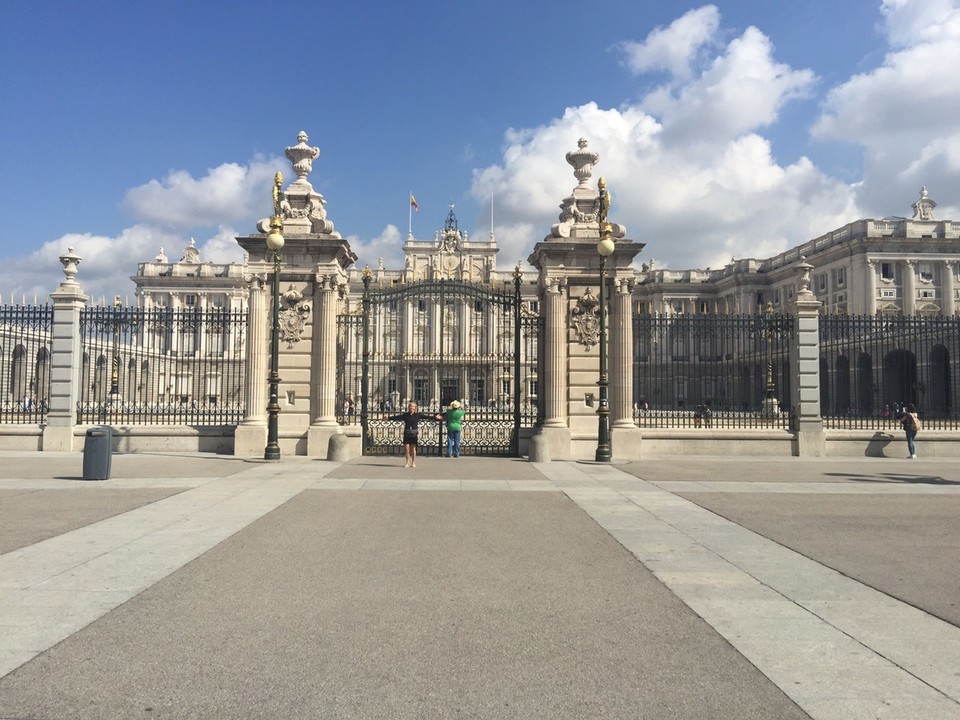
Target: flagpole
(410,215)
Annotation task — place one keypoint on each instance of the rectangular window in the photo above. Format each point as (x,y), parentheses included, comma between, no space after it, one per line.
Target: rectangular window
(886,271)
(841,277)
(822,282)
(888,293)
(925,270)
(421,306)
(420,390)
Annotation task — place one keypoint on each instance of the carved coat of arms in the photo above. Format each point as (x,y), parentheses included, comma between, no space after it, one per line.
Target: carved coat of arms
(586,319)
(293,318)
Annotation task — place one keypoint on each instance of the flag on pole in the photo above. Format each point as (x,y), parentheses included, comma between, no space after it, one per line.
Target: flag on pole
(413,203)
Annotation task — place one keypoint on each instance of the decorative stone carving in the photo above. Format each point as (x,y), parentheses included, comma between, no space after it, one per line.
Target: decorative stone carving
(302,156)
(804,268)
(70,260)
(190,253)
(923,208)
(585,318)
(580,212)
(583,161)
(293,318)
(303,209)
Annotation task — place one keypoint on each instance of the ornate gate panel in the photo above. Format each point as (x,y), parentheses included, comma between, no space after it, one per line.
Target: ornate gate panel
(433,342)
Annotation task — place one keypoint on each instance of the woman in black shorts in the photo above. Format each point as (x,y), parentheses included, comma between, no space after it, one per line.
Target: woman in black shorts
(411,425)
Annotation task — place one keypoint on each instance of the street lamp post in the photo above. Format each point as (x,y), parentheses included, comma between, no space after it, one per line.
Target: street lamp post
(605,248)
(275,244)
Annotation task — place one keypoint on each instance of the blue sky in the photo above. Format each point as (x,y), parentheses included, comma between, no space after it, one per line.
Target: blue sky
(725,129)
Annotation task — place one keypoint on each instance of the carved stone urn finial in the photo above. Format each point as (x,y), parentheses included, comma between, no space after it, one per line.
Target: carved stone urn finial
(583,161)
(70,260)
(302,156)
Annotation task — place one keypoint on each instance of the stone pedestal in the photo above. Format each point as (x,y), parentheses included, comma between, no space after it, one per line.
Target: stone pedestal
(568,263)
(65,359)
(805,361)
(313,260)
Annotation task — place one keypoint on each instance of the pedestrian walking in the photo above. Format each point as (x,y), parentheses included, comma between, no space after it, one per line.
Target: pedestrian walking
(411,428)
(911,424)
(454,420)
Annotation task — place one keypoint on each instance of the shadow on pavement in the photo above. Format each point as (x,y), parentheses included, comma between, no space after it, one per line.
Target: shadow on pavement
(898,478)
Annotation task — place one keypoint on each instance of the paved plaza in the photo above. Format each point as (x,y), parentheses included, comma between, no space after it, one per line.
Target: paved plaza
(199,586)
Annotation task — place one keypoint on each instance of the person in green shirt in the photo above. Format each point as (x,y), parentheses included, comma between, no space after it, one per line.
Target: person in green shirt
(454,420)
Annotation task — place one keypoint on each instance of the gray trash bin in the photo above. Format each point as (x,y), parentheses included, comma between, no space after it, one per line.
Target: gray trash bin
(97,451)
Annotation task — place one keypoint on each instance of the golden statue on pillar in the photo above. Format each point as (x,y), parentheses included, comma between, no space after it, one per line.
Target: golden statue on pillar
(604,206)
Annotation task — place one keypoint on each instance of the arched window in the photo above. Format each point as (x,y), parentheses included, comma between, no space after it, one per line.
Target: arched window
(938,396)
(18,375)
(842,384)
(865,388)
(43,375)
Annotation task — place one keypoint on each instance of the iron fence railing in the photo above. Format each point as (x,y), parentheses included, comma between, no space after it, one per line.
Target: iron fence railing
(873,365)
(712,371)
(162,366)
(25,356)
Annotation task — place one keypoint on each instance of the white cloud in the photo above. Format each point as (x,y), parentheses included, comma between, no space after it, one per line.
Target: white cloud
(741,91)
(689,172)
(104,271)
(676,47)
(226,194)
(387,245)
(168,213)
(902,113)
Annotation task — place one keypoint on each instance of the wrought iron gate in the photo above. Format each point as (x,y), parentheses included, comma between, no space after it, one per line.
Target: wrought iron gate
(432,342)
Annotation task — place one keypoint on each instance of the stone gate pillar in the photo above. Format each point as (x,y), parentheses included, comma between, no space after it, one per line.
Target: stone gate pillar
(625,436)
(313,261)
(805,359)
(66,358)
(324,425)
(570,252)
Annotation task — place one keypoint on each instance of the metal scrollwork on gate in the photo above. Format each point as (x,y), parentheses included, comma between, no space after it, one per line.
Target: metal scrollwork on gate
(586,319)
(293,318)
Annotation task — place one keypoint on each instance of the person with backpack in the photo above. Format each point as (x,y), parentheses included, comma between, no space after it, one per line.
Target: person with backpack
(911,424)
(454,420)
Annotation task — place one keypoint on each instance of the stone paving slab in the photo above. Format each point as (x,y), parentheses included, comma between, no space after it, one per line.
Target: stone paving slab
(402,605)
(28,516)
(903,545)
(837,647)
(69,466)
(795,470)
(52,589)
(434,468)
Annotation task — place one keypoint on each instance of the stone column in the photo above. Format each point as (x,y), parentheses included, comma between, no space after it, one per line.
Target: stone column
(552,441)
(66,358)
(909,287)
(870,299)
(805,361)
(250,437)
(555,356)
(625,437)
(948,289)
(324,380)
